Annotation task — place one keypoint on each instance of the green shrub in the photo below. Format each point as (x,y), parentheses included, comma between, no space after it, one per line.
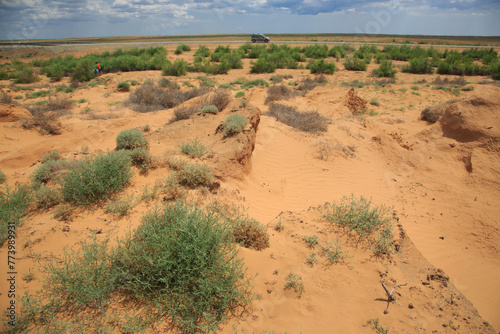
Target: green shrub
(419,65)
(13,206)
(141,158)
(51,155)
(194,148)
(202,51)
(177,69)
(211,109)
(369,223)
(253,83)
(181,48)
(181,261)
(334,253)
(494,70)
(385,70)
(320,66)
(239,94)
(47,171)
(194,175)
(130,139)
(262,65)
(25,75)
(233,124)
(96,177)
(47,197)
(120,206)
(123,86)
(355,64)
(2,177)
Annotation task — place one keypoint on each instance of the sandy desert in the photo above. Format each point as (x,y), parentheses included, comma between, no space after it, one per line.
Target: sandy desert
(440,182)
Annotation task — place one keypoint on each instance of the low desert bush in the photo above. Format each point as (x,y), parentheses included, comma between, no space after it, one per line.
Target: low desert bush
(182,48)
(47,197)
(193,148)
(130,139)
(123,86)
(249,233)
(233,124)
(194,175)
(367,222)
(419,65)
(63,212)
(49,170)
(278,92)
(120,206)
(2,177)
(263,65)
(309,84)
(24,75)
(141,158)
(96,177)
(184,112)
(321,66)
(334,252)
(51,155)
(14,205)
(309,121)
(5,98)
(355,64)
(177,68)
(239,94)
(210,109)
(433,114)
(385,70)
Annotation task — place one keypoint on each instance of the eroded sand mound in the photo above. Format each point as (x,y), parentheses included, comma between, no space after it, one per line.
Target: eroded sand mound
(13,113)
(354,102)
(471,119)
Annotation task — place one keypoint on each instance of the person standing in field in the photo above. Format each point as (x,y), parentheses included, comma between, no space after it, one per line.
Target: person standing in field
(97,69)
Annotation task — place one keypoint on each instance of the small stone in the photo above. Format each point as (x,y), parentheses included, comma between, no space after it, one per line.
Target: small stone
(276,271)
(441,237)
(410,306)
(269,290)
(65,228)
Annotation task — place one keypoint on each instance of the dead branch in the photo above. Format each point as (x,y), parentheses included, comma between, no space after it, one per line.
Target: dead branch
(390,295)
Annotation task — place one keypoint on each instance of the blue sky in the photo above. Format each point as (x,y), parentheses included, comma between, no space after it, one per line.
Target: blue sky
(37,19)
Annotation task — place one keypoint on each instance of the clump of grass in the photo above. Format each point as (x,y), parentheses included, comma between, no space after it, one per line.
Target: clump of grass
(194,175)
(374,101)
(211,109)
(184,112)
(376,326)
(123,86)
(312,259)
(294,281)
(279,226)
(233,124)
(121,206)
(130,139)
(96,177)
(3,178)
(182,48)
(63,212)
(239,94)
(369,223)
(194,148)
(355,64)
(52,155)
(48,171)
(309,121)
(14,205)
(141,158)
(334,252)
(308,84)
(47,197)
(311,241)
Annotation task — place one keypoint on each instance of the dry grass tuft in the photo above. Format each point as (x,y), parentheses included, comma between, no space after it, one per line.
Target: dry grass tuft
(278,92)
(433,114)
(309,121)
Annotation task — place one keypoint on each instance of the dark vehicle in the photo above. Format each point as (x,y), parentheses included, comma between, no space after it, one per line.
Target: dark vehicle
(260,38)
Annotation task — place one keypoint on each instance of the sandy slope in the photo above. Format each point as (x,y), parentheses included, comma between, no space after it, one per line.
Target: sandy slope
(442,180)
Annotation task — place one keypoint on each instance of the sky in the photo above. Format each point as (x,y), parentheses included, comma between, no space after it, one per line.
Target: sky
(46,19)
